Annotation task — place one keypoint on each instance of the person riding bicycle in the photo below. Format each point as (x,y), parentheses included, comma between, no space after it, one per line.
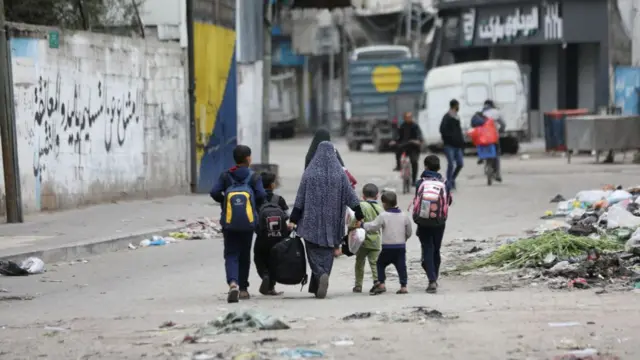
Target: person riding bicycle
(408,140)
(490,111)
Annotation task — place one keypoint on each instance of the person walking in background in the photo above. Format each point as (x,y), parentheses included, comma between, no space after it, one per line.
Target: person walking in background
(453,140)
(319,213)
(408,140)
(490,111)
(240,193)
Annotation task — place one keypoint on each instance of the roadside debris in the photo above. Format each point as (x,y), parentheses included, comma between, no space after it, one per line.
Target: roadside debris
(414,314)
(201,229)
(167,324)
(29,266)
(358,316)
(301,353)
(15,298)
(564,324)
(235,321)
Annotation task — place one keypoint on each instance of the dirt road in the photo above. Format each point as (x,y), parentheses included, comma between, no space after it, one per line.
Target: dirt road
(112,306)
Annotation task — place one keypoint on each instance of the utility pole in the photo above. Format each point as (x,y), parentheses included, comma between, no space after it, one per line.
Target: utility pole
(266,78)
(193,153)
(13,199)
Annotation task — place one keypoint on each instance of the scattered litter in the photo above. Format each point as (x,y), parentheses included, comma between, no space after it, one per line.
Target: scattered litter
(301,353)
(50,281)
(474,249)
(342,341)
(33,265)
(2,290)
(498,287)
(236,321)
(29,266)
(358,316)
(535,250)
(564,324)
(579,283)
(55,328)
(167,324)
(132,247)
(15,298)
(558,198)
(265,340)
(580,354)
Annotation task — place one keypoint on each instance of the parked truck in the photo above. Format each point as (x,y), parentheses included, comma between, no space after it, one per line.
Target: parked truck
(384,82)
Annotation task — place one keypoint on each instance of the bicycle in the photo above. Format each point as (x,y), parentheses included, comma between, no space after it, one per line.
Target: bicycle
(488,154)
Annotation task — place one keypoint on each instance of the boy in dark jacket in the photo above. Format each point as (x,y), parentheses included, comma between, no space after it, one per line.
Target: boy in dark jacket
(431,237)
(265,241)
(237,243)
(453,141)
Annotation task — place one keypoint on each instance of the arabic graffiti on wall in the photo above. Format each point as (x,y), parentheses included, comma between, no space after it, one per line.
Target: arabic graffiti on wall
(82,118)
(533,24)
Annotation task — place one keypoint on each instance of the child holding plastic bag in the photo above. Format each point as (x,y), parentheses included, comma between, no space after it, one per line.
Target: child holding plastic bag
(367,249)
(396,230)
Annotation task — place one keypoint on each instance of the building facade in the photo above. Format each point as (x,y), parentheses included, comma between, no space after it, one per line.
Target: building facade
(563,47)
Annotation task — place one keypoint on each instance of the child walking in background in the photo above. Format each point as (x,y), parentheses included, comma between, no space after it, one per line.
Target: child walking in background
(370,249)
(431,207)
(272,228)
(396,230)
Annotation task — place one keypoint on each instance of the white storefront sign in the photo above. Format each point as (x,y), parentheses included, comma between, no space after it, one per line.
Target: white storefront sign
(518,24)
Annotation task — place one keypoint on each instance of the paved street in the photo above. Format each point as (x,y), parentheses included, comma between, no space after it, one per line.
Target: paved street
(111,305)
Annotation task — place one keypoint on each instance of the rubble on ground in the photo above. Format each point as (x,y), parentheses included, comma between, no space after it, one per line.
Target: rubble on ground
(201,229)
(590,240)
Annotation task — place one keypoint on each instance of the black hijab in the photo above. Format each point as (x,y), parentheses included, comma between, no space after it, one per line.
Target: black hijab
(320,136)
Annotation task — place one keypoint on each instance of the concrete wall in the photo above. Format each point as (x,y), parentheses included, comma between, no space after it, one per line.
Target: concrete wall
(99,118)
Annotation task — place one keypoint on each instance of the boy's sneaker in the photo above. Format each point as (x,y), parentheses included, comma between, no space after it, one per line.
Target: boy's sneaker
(234,294)
(244,295)
(357,289)
(432,288)
(265,286)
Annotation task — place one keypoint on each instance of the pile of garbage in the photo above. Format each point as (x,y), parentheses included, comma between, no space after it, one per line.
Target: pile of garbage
(201,229)
(596,244)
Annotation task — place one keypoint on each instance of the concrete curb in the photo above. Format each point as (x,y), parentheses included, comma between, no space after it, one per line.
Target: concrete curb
(70,252)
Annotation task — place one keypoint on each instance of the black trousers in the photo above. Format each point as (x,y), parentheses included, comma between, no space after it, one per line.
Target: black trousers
(431,241)
(262,255)
(413,152)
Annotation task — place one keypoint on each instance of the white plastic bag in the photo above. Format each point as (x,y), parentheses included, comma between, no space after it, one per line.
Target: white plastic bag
(620,217)
(349,215)
(33,265)
(356,239)
(565,207)
(575,214)
(618,196)
(592,196)
(633,244)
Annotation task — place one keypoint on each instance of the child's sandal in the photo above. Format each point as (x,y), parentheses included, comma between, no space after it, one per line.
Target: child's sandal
(357,289)
(402,291)
(378,289)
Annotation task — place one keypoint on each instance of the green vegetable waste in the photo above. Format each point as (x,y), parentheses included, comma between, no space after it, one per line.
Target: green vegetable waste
(533,251)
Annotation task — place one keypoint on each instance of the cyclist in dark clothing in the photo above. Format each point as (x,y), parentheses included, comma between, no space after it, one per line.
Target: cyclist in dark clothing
(408,139)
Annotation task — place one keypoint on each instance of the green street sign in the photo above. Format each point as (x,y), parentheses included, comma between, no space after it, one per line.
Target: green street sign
(54,39)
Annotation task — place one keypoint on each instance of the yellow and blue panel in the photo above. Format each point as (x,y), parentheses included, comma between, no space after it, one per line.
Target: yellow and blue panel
(373,82)
(215,108)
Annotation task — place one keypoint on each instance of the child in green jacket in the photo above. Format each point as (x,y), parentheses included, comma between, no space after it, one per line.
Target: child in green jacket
(370,249)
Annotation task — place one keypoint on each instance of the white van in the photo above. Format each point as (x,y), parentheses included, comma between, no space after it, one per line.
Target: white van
(472,83)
